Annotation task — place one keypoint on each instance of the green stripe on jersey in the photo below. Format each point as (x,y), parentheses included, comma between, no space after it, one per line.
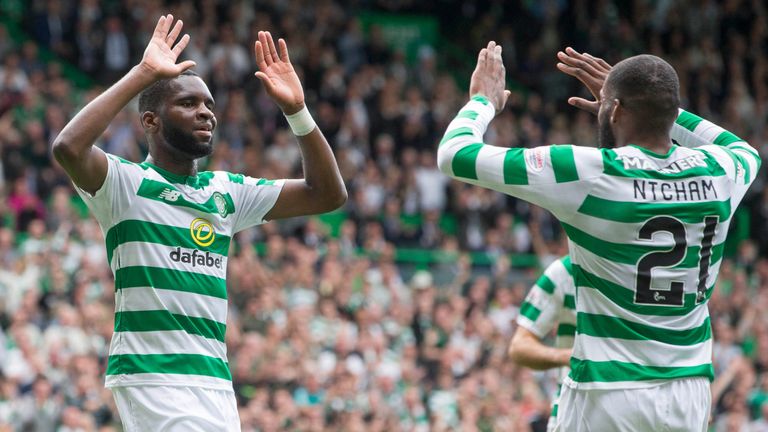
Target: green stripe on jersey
(631,253)
(739,161)
(169,194)
(625,298)
(563,163)
(467,114)
(163,320)
(453,133)
(174,280)
(639,212)
(545,283)
(617,371)
(464,162)
(569,301)
(530,311)
(236,178)
(148,232)
(726,138)
(566,330)
(479,98)
(688,120)
(614,167)
(618,328)
(515,171)
(185,364)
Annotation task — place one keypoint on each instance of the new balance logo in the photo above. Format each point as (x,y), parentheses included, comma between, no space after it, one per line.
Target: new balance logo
(169,195)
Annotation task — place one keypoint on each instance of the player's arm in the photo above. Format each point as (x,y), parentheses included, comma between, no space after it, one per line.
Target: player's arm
(322,188)
(554,177)
(542,309)
(73,148)
(689,130)
(526,349)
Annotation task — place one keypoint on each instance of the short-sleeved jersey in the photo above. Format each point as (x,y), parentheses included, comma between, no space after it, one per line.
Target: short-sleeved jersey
(167,239)
(552,301)
(646,234)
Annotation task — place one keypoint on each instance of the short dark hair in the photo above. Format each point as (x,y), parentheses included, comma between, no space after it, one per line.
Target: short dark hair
(152,96)
(647,86)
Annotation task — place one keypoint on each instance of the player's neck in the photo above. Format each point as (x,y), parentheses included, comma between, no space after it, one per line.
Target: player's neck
(658,145)
(173,165)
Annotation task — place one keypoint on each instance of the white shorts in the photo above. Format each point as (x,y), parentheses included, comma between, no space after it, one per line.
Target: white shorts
(171,409)
(680,405)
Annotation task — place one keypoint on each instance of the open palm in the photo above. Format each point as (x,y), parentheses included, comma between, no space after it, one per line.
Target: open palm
(161,54)
(277,74)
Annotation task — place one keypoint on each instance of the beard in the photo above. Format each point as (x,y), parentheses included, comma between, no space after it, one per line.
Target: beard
(605,136)
(185,142)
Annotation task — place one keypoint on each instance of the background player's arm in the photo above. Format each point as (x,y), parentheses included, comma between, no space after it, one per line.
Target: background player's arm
(554,177)
(73,148)
(689,130)
(526,349)
(544,307)
(322,188)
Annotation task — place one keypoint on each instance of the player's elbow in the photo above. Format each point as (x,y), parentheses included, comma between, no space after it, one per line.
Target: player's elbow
(338,198)
(63,151)
(444,161)
(515,352)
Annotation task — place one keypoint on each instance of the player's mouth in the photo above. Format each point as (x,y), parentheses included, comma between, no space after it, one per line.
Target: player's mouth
(204,131)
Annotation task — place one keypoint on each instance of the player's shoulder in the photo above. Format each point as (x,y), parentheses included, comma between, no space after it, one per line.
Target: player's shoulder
(560,271)
(230,179)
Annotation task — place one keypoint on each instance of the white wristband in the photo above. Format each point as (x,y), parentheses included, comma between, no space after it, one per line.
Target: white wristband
(301,123)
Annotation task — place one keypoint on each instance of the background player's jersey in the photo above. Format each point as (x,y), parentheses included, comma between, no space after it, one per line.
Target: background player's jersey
(646,234)
(551,301)
(167,240)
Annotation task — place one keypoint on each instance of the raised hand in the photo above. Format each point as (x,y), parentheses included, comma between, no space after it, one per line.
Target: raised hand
(591,71)
(488,79)
(161,53)
(277,74)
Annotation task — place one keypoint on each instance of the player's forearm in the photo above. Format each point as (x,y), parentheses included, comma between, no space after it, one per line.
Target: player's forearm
(321,172)
(530,352)
(79,135)
(463,140)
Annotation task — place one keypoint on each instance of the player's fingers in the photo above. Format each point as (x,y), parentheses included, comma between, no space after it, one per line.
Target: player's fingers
(174,33)
(167,25)
(581,103)
(186,65)
(181,45)
(265,80)
(258,49)
(594,61)
(283,50)
(268,60)
(159,28)
(581,74)
(271,46)
(579,61)
(482,58)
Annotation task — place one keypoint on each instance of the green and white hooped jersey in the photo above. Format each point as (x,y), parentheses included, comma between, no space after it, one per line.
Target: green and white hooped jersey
(167,239)
(646,234)
(552,301)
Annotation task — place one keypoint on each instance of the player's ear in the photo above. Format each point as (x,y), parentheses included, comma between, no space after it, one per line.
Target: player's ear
(149,121)
(616,111)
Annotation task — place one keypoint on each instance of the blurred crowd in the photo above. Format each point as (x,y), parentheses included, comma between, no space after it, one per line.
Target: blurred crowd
(329,328)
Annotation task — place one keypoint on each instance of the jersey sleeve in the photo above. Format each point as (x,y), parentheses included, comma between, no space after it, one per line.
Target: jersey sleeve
(117,193)
(741,160)
(556,177)
(543,305)
(254,198)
